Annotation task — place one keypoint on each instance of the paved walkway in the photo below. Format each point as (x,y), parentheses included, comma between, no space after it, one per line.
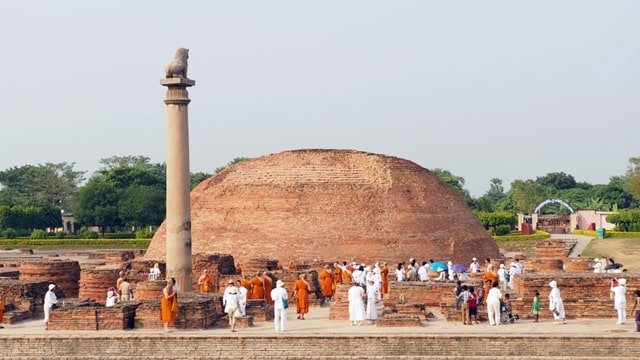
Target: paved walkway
(316,323)
(581,244)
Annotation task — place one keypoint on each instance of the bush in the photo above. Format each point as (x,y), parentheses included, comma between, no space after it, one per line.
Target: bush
(10,233)
(60,234)
(85,233)
(539,235)
(144,234)
(38,234)
(502,230)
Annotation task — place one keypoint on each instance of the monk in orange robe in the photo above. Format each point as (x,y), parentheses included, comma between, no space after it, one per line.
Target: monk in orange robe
(205,281)
(346,276)
(490,275)
(326,282)
(267,289)
(1,310)
(301,290)
(119,282)
(279,266)
(247,285)
(257,287)
(168,305)
(292,266)
(238,269)
(384,274)
(337,274)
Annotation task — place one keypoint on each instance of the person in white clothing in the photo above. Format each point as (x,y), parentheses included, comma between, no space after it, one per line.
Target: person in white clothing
(555,303)
(423,272)
(279,295)
(620,300)
(493,304)
(474,267)
(230,302)
(112,297)
(373,294)
(450,271)
(356,305)
(50,299)
(502,278)
(597,266)
(242,297)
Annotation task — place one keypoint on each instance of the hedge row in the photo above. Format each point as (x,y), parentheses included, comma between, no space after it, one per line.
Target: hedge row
(539,235)
(62,242)
(611,234)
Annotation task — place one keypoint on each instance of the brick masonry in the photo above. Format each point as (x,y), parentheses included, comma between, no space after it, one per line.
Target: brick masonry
(330,205)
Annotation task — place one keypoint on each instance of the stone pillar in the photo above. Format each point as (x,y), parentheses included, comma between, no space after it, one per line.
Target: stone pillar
(178,220)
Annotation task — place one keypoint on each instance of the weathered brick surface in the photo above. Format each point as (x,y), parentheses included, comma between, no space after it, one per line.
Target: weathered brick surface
(319,204)
(95,281)
(64,273)
(536,264)
(555,249)
(197,311)
(24,299)
(385,347)
(93,316)
(399,320)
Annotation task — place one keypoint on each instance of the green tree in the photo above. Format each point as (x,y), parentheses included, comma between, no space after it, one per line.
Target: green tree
(98,205)
(457,182)
(135,202)
(197,178)
(632,178)
(526,195)
(557,180)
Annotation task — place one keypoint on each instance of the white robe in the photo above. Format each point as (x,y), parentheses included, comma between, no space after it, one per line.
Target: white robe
(372,297)
(356,303)
(555,302)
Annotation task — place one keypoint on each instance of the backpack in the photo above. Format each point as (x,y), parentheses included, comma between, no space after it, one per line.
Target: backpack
(507,277)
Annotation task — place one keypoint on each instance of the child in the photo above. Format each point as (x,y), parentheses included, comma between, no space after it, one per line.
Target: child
(637,305)
(473,306)
(535,306)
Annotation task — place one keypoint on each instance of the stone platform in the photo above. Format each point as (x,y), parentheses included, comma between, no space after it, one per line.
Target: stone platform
(316,337)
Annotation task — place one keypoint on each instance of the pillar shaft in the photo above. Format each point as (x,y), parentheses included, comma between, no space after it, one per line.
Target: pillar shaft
(178,222)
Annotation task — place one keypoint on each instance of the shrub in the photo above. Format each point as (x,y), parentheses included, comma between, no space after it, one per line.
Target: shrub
(85,233)
(144,234)
(38,234)
(10,233)
(502,230)
(60,235)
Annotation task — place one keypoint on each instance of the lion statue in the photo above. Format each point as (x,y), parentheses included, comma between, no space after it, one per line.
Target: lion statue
(178,66)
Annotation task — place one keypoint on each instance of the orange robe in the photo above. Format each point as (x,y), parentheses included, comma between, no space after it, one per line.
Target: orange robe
(238,270)
(326,281)
(267,289)
(258,288)
(169,307)
(279,266)
(337,275)
(247,285)
(384,274)
(302,297)
(292,266)
(490,275)
(207,283)
(1,311)
(346,276)
(120,280)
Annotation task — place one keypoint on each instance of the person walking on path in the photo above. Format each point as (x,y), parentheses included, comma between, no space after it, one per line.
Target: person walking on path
(620,300)
(493,304)
(356,305)
(279,296)
(301,290)
(230,302)
(50,299)
(535,306)
(555,303)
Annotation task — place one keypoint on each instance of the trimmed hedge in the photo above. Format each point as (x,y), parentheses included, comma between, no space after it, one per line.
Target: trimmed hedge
(22,242)
(539,235)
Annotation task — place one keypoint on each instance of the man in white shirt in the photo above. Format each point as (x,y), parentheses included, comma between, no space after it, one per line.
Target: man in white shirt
(423,272)
(474,267)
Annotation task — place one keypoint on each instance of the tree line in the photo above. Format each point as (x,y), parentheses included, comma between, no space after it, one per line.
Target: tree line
(129,192)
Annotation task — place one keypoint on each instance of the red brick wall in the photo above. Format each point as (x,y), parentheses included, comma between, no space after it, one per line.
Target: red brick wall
(322,204)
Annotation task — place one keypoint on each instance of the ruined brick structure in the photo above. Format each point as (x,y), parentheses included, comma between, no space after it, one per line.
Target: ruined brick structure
(310,205)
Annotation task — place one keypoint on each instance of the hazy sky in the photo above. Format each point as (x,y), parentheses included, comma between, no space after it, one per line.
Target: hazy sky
(485,89)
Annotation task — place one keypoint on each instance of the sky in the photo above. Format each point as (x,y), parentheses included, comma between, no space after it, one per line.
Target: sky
(485,89)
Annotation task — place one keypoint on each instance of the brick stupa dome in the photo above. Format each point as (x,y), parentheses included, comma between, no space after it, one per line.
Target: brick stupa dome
(326,205)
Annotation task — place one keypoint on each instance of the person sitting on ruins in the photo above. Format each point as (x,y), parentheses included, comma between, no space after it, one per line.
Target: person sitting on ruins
(474,267)
(154,272)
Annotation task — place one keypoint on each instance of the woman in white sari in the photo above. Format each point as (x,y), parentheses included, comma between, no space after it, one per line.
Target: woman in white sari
(555,303)
(372,296)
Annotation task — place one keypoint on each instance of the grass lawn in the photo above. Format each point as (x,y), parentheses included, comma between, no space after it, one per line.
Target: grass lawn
(623,251)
